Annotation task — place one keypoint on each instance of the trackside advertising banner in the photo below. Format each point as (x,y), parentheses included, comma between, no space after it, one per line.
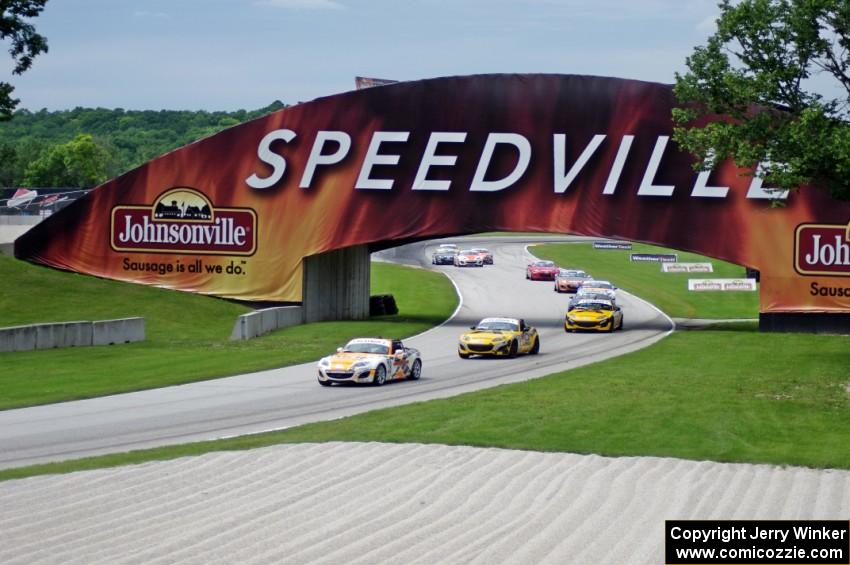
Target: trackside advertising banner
(233,215)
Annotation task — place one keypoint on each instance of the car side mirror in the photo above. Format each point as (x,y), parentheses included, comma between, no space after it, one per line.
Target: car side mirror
(339,349)
(472,327)
(525,328)
(398,354)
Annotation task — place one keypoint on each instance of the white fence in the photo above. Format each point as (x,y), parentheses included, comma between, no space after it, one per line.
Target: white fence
(264,321)
(71,334)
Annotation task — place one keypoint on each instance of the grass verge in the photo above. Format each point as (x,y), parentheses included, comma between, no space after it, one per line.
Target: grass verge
(179,347)
(721,394)
(668,291)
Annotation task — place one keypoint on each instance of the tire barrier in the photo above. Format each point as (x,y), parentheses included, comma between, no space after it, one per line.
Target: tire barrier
(382,305)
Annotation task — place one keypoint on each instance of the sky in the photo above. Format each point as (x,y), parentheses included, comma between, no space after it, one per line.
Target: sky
(244,54)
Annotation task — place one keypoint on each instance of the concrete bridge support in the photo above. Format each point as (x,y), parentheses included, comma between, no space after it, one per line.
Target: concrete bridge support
(336,285)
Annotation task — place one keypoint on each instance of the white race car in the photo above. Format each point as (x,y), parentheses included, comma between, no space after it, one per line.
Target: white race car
(370,360)
(598,287)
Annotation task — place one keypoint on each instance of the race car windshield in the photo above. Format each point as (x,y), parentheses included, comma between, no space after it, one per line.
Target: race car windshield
(595,295)
(544,264)
(367,348)
(593,306)
(497,326)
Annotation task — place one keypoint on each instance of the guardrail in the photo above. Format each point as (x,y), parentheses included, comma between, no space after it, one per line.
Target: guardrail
(72,334)
(19,219)
(263,321)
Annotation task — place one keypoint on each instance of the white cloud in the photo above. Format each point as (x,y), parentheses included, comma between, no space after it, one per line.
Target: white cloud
(303,4)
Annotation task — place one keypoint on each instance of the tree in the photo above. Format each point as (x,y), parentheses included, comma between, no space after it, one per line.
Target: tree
(26,44)
(756,93)
(80,163)
(129,137)
(8,158)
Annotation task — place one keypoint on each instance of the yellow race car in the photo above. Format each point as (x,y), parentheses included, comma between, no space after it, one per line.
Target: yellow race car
(593,314)
(501,337)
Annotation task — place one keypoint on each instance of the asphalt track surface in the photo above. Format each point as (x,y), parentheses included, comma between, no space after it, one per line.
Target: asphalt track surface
(285,397)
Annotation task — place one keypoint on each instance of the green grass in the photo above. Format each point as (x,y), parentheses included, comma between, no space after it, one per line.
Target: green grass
(667,291)
(724,394)
(179,347)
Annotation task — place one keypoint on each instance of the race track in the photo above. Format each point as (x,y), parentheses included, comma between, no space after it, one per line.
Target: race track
(290,396)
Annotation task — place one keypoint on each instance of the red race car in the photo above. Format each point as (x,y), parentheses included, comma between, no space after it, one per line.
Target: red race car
(541,271)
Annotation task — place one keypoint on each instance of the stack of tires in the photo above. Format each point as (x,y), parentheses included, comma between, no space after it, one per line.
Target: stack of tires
(382,305)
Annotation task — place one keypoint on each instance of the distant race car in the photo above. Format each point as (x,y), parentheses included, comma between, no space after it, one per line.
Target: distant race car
(486,255)
(370,360)
(593,314)
(468,258)
(541,271)
(568,280)
(443,256)
(499,337)
(596,286)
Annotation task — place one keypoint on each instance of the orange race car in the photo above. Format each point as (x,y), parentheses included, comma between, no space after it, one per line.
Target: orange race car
(468,258)
(568,280)
(486,255)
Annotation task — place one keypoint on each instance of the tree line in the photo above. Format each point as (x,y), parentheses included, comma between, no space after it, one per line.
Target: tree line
(84,147)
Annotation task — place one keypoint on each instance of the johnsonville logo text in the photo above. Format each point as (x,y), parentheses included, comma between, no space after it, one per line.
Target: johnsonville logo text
(183,220)
(822,249)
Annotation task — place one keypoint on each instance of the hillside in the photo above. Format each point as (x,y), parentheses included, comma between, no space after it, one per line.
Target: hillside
(37,147)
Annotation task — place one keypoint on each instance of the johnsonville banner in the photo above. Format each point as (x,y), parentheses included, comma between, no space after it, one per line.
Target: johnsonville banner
(233,215)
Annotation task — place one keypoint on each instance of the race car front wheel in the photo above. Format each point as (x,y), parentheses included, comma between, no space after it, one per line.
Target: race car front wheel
(415,371)
(380,376)
(535,349)
(513,350)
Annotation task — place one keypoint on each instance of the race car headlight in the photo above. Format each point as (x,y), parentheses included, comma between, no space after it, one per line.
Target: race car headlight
(465,338)
(324,362)
(359,366)
(499,341)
